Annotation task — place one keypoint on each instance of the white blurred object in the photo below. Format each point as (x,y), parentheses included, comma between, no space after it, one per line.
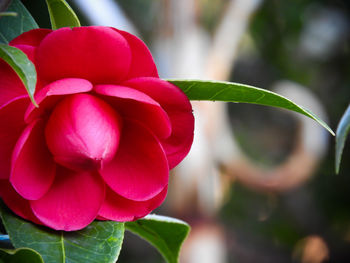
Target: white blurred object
(310,145)
(191,54)
(227,38)
(105,13)
(198,187)
(315,137)
(204,245)
(325,29)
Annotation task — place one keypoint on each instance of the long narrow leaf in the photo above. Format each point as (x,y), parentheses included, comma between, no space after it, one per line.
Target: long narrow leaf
(61,14)
(235,92)
(341,134)
(24,68)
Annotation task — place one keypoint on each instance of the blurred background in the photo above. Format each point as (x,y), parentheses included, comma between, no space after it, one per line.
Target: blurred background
(259,184)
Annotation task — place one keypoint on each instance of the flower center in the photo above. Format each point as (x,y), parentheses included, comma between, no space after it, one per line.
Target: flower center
(83,132)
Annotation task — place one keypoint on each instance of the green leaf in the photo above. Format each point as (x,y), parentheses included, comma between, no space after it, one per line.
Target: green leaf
(12,26)
(235,92)
(20,255)
(24,68)
(165,233)
(100,242)
(341,134)
(61,14)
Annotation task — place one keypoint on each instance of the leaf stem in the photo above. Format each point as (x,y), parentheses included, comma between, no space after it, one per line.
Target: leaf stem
(8,14)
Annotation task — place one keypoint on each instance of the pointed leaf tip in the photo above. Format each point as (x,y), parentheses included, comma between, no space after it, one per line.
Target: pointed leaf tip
(24,68)
(236,92)
(166,234)
(61,14)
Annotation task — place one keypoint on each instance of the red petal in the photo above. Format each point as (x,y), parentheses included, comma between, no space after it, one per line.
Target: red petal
(31,38)
(142,63)
(179,143)
(83,132)
(139,170)
(133,104)
(11,117)
(49,96)
(166,94)
(16,203)
(118,208)
(72,202)
(179,110)
(10,84)
(98,54)
(33,169)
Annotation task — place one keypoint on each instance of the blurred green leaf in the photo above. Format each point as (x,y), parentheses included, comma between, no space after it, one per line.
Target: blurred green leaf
(12,26)
(165,233)
(236,92)
(22,66)
(61,14)
(20,255)
(341,134)
(100,242)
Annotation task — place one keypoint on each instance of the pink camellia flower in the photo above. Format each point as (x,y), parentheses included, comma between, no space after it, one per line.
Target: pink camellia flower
(105,134)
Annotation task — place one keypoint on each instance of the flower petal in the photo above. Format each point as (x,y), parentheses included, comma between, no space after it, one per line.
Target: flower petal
(10,84)
(98,54)
(139,170)
(11,117)
(118,208)
(31,37)
(16,203)
(133,104)
(166,94)
(142,63)
(51,94)
(179,143)
(83,132)
(179,110)
(33,168)
(72,202)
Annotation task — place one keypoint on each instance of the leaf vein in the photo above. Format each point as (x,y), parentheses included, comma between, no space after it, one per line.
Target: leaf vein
(219,92)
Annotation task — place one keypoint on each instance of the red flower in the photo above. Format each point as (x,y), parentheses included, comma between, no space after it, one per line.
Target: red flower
(105,134)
